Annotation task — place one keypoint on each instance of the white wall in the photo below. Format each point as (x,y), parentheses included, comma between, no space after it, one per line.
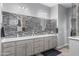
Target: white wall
(0,26)
(62,28)
(54,13)
(32,9)
(69,15)
(60,13)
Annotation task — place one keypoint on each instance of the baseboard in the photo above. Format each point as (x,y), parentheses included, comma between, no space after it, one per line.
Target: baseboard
(62,46)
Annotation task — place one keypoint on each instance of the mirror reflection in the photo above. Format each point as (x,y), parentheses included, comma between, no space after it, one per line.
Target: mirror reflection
(21,25)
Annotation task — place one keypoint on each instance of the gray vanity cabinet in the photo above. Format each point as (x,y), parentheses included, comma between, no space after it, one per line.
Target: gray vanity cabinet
(28,46)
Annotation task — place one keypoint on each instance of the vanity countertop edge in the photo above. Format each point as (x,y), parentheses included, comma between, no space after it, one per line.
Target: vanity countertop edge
(24,38)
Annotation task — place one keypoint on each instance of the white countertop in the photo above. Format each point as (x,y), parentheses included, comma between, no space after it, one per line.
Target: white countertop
(27,37)
(74,37)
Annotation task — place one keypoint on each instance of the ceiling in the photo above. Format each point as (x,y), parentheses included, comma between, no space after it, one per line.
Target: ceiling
(49,4)
(67,5)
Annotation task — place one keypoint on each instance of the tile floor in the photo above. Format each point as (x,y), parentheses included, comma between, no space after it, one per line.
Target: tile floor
(65,52)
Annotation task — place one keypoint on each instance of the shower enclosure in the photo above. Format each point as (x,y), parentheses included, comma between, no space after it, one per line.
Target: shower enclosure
(75,20)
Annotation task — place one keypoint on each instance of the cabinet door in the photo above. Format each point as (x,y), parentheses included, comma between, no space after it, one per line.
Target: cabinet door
(38,45)
(29,48)
(41,47)
(36,50)
(20,50)
(8,44)
(52,42)
(46,47)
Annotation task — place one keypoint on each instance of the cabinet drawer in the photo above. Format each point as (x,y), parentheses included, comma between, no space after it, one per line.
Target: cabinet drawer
(54,37)
(30,40)
(8,44)
(8,54)
(37,44)
(8,51)
(21,42)
(13,54)
(37,39)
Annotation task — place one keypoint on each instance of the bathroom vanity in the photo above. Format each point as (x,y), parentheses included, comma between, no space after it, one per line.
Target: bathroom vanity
(30,45)
(24,35)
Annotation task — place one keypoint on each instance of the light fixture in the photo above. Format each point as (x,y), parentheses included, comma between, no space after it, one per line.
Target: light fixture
(20,7)
(42,13)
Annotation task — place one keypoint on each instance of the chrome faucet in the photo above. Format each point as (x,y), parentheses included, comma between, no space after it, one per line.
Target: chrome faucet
(33,33)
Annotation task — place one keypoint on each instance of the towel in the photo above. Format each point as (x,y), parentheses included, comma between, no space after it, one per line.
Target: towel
(2,32)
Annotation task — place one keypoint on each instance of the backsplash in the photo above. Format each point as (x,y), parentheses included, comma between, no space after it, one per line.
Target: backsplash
(21,25)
